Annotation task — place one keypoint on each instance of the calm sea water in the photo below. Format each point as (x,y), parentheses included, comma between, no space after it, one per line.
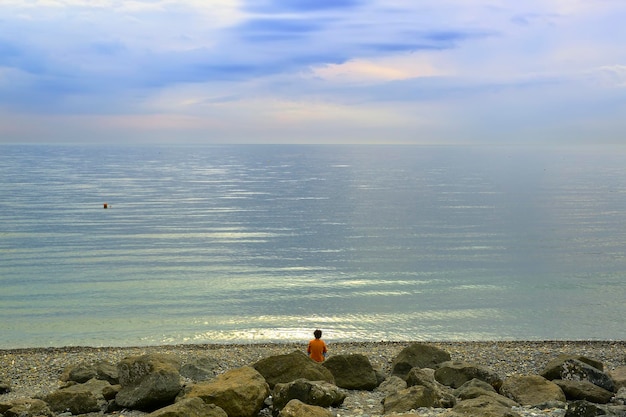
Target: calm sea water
(266,243)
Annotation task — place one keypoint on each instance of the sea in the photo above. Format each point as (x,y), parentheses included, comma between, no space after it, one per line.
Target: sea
(266,243)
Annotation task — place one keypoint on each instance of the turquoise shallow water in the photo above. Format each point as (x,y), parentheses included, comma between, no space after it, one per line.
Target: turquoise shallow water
(266,243)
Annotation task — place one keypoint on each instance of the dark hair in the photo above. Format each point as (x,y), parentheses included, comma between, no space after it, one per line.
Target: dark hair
(317,334)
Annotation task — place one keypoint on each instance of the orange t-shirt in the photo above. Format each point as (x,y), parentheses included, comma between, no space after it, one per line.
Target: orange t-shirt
(316,350)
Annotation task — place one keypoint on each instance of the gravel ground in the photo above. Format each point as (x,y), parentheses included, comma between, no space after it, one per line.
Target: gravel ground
(36,372)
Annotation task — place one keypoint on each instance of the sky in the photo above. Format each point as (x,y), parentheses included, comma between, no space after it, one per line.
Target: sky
(313,71)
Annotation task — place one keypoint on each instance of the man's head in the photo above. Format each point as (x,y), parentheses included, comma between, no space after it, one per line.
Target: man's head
(317,334)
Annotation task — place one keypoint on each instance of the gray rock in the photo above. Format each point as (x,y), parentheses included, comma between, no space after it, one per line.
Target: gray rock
(575,370)
(286,368)
(26,408)
(319,393)
(531,390)
(240,392)
(190,407)
(583,409)
(477,388)
(409,399)
(391,385)
(444,398)
(296,408)
(148,381)
(484,406)
(84,371)
(79,398)
(584,390)
(553,369)
(200,369)
(352,372)
(417,355)
(455,373)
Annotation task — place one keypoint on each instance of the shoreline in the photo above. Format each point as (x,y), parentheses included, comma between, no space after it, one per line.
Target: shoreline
(33,372)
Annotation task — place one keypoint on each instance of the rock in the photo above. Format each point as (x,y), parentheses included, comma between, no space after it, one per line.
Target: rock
(409,399)
(391,385)
(199,369)
(455,373)
(320,393)
(620,396)
(417,355)
(84,371)
(4,387)
(619,377)
(477,388)
(553,369)
(25,408)
(584,390)
(190,407)
(531,390)
(575,370)
(148,381)
(287,368)
(483,406)
(240,392)
(295,408)
(80,398)
(583,409)
(352,372)
(444,397)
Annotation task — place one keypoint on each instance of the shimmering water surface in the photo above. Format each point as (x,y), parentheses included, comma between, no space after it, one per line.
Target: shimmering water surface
(266,243)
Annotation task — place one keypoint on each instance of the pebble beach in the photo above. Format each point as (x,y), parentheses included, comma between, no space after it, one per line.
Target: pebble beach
(35,372)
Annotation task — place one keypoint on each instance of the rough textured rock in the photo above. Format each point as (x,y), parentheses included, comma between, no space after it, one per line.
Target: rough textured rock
(619,377)
(26,408)
(455,373)
(531,390)
(553,369)
(286,368)
(240,392)
(320,393)
(295,408)
(444,398)
(84,398)
(583,409)
(409,399)
(148,381)
(417,355)
(84,371)
(190,407)
(477,388)
(392,384)
(199,369)
(575,370)
(584,390)
(484,406)
(352,371)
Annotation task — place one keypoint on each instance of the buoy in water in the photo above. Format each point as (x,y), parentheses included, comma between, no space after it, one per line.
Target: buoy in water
(106,205)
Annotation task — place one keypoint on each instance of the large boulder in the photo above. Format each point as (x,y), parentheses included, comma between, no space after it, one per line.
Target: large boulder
(240,392)
(352,371)
(190,407)
(553,369)
(148,381)
(84,398)
(455,373)
(477,388)
(296,408)
(26,408)
(531,390)
(417,355)
(584,408)
(391,385)
(200,368)
(320,393)
(618,375)
(483,406)
(576,370)
(408,399)
(286,368)
(444,398)
(84,371)
(584,390)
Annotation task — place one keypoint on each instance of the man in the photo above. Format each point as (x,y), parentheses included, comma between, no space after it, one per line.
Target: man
(317,348)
